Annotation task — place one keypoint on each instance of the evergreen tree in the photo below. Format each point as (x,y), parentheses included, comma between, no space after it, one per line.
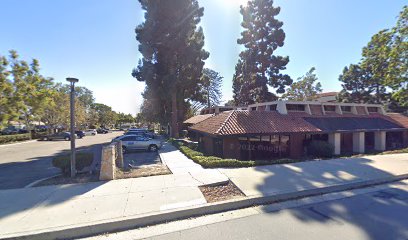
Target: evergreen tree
(356,83)
(173,57)
(258,67)
(305,89)
(211,83)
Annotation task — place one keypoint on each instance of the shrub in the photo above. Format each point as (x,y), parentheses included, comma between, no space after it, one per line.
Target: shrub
(14,138)
(63,162)
(320,149)
(216,162)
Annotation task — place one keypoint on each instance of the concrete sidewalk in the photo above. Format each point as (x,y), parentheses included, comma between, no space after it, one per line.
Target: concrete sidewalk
(304,176)
(78,210)
(42,209)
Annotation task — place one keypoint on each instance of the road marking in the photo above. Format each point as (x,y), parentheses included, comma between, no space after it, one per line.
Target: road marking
(40,180)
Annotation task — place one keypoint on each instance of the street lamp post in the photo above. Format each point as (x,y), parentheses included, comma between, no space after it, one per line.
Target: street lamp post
(72,125)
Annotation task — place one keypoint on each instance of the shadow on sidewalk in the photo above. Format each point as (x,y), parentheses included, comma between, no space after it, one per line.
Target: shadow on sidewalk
(370,221)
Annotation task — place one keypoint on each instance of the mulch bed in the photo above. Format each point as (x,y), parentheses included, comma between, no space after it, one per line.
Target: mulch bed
(222,192)
(146,171)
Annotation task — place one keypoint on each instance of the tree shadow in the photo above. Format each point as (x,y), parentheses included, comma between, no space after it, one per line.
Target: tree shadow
(383,211)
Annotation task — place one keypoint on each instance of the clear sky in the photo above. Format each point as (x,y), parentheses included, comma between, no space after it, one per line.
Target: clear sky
(94,40)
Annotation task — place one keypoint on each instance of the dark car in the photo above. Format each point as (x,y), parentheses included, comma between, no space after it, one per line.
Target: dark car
(58,136)
(102,130)
(80,134)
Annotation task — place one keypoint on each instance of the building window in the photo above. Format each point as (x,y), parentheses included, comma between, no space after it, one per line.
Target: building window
(295,107)
(272,107)
(329,108)
(266,148)
(346,108)
(253,108)
(372,109)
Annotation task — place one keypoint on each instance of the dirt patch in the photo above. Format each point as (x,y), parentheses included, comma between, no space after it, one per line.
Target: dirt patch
(221,192)
(63,179)
(143,171)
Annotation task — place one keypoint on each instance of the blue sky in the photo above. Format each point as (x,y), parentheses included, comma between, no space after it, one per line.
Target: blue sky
(94,40)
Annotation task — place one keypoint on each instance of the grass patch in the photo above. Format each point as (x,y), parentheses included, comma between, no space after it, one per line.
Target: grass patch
(63,162)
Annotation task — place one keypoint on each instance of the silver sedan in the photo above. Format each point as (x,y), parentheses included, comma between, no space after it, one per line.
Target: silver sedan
(137,142)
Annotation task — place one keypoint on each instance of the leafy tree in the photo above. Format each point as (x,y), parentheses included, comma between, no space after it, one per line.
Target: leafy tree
(397,75)
(305,89)
(106,116)
(6,90)
(382,75)
(258,67)
(211,82)
(230,103)
(172,63)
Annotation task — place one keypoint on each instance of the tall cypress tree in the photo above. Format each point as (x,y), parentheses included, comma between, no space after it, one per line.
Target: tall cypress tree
(258,67)
(173,56)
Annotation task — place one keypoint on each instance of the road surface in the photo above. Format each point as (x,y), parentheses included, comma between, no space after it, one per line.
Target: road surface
(24,163)
(380,214)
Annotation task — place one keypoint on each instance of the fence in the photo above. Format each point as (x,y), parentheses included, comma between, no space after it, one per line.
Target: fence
(112,157)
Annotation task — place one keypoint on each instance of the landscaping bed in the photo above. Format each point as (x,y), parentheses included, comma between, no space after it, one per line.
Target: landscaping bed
(221,192)
(14,138)
(145,171)
(216,162)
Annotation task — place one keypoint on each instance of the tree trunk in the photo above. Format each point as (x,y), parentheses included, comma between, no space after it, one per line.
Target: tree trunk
(174,116)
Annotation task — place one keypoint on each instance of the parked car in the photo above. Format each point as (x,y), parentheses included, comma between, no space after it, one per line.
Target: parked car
(142,132)
(90,132)
(9,131)
(102,130)
(137,142)
(57,136)
(80,134)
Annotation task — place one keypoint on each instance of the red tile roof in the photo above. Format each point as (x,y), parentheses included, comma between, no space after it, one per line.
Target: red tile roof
(198,118)
(399,118)
(263,122)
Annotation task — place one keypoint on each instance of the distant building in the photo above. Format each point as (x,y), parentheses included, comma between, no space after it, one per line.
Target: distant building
(283,128)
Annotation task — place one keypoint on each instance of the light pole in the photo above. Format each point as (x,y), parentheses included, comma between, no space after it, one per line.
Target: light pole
(72,104)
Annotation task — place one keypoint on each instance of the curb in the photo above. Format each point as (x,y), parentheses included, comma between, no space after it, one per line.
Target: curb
(17,143)
(126,223)
(40,180)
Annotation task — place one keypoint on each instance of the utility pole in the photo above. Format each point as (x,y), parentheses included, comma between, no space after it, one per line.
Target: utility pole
(72,125)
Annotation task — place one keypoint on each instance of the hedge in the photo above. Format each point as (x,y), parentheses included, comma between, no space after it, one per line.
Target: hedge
(63,162)
(14,138)
(216,162)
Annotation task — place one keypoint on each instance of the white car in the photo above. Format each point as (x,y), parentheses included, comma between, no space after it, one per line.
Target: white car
(137,142)
(90,132)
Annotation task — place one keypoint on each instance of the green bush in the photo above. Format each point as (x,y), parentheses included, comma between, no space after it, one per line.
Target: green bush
(320,149)
(14,138)
(63,162)
(216,162)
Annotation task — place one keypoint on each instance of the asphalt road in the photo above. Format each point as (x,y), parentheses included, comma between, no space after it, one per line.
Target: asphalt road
(376,214)
(24,163)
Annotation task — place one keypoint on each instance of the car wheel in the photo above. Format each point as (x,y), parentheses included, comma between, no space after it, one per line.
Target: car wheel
(67,138)
(153,148)
(45,139)
(124,150)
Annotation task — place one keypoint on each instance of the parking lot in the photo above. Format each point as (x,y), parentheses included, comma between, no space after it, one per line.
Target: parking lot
(142,158)
(23,163)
